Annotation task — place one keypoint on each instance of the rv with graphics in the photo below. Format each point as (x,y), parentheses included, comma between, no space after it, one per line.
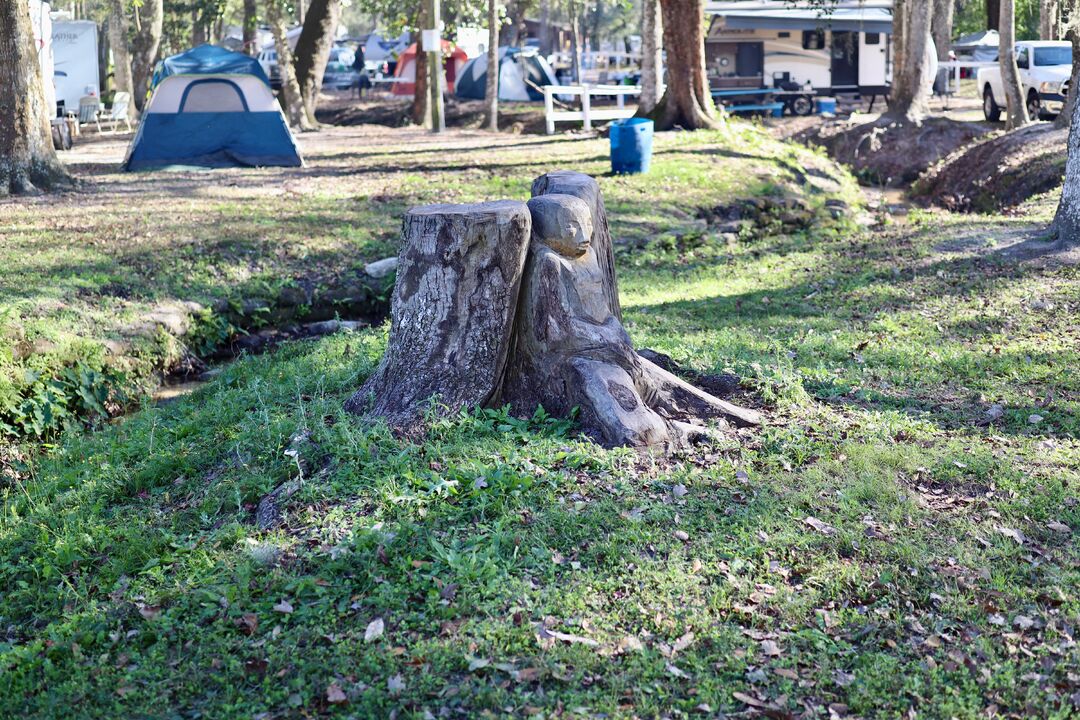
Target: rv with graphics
(75,61)
(798,49)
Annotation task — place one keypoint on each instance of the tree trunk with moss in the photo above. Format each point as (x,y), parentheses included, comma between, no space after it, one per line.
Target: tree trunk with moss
(118,40)
(652,66)
(1067,219)
(908,101)
(491,86)
(687,100)
(149,19)
(1016,108)
(251,27)
(313,50)
(28,162)
(291,99)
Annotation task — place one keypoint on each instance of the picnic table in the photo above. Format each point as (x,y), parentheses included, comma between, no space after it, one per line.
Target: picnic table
(773,100)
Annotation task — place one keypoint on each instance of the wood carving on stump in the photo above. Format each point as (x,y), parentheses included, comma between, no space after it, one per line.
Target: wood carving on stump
(571,351)
(452,311)
(503,303)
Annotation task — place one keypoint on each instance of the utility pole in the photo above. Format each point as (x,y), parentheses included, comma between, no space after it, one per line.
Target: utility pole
(432,38)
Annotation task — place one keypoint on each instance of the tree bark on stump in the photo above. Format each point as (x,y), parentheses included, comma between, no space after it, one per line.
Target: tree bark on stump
(687,100)
(28,161)
(452,311)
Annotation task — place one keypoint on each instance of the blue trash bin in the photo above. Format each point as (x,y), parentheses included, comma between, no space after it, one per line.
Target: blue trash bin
(631,145)
(826,105)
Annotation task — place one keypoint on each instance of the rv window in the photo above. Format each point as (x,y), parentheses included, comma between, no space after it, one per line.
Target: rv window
(813,39)
(873,38)
(783,34)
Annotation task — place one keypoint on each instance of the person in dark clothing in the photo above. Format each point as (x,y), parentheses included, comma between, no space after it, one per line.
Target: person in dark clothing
(362,79)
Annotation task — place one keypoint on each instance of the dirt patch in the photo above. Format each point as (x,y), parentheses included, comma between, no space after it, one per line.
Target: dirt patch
(999,172)
(396,112)
(888,153)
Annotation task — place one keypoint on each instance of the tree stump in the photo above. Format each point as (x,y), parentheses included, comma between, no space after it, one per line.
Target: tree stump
(452,311)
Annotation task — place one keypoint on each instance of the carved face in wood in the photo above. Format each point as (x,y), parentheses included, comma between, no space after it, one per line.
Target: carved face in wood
(563,223)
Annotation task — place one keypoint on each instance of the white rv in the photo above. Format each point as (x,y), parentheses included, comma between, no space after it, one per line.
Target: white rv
(42,24)
(75,61)
(795,47)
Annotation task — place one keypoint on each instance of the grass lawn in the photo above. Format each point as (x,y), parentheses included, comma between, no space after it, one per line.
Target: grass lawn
(897,541)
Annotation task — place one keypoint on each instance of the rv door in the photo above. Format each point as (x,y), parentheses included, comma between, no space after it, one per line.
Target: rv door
(873,55)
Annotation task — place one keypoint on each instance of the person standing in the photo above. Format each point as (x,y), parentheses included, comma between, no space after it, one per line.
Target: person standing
(360,66)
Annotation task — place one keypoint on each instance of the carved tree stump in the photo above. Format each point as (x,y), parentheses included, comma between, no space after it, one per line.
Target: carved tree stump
(452,311)
(585,188)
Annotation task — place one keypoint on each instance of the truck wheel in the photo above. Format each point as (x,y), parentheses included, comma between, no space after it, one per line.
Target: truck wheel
(1034,107)
(801,105)
(991,111)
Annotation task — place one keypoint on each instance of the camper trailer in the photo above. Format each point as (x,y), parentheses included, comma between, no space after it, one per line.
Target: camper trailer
(42,24)
(75,59)
(795,48)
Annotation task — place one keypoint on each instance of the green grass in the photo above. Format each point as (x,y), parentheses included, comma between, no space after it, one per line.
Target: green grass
(136,584)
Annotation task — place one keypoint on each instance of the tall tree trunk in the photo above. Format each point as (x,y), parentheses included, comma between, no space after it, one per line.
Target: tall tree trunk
(491,88)
(1067,219)
(291,99)
(1016,108)
(575,41)
(251,27)
(652,45)
(118,40)
(198,28)
(149,17)
(1072,34)
(421,107)
(545,27)
(436,77)
(28,162)
(941,27)
(104,41)
(313,50)
(911,78)
(1049,13)
(993,14)
(899,36)
(687,100)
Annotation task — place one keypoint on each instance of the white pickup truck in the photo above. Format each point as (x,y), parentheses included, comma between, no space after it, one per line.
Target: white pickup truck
(1045,67)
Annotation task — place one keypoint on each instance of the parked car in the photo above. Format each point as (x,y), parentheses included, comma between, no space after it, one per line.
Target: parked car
(1045,67)
(339,73)
(268,61)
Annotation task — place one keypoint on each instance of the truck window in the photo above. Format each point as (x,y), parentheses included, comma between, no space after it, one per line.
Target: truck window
(873,38)
(1053,55)
(1022,58)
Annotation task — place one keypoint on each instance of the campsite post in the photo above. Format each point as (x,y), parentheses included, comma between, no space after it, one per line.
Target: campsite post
(433,46)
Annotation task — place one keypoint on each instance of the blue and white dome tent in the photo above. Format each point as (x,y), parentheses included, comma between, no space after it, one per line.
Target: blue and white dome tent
(213,108)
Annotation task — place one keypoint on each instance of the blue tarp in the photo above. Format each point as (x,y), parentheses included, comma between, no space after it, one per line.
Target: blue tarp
(213,140)
(208,60)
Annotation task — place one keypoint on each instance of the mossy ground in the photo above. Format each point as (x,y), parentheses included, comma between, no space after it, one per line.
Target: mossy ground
(922,406)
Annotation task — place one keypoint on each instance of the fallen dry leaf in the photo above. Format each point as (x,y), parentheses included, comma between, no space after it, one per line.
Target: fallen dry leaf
(770,648)
(374,630)
(542,633)
(335,695)
(748,699)
(1059,527)
(283,607)
(1013,533)
(672,670)
(822,527)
